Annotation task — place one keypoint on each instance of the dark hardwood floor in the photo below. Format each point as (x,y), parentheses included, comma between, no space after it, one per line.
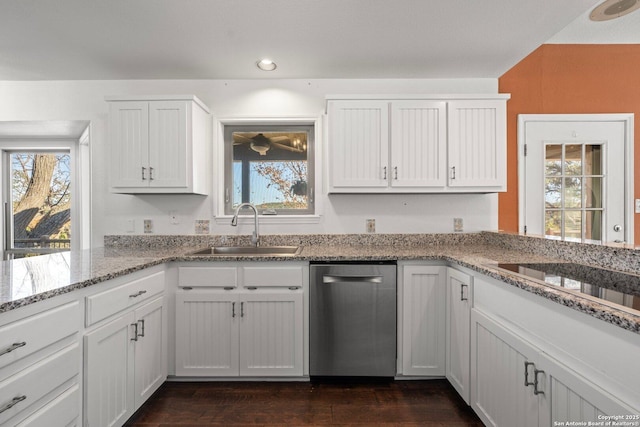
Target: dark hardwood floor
(395,403)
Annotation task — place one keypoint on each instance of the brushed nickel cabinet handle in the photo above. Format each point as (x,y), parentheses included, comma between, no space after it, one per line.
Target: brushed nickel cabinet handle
(14,346)
(135,331)
(141,321)
(384,171)
(233,309)
(536,391)
(13,403)
(143,169)
(137,294)
(462,297)
(526,374)
(150,174)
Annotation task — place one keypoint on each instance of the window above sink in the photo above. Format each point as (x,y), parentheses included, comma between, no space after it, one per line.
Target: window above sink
(270,163)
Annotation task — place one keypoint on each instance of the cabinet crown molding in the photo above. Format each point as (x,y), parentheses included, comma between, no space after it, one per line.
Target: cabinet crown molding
(425,96)
(193,98)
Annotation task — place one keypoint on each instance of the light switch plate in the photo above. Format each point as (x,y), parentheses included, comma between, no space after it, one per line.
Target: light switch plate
(457,225)
(637,205)
(148,226)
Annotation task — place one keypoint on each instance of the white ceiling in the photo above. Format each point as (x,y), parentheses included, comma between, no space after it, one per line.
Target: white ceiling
(222,39)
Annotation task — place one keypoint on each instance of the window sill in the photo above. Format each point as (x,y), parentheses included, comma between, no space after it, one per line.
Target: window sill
(270,219)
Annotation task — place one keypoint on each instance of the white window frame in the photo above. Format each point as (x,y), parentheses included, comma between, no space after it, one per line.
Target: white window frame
(219,124)
(80,179)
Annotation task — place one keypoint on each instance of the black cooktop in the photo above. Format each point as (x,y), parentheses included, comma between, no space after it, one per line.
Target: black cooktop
(613,286)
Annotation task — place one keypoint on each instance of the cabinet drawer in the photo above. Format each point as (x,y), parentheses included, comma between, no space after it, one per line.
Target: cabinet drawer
(208,276)
(104,304)
(272,276)
(64,409)
(32,384)
(24,337)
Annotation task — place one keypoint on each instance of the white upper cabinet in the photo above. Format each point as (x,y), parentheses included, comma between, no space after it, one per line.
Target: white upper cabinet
(359,146)
(159,144)
(417,145)
(478,144)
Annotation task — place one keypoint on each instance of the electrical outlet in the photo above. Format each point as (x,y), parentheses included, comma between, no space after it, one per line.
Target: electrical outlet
(457,225)
(173,217)
(637,205)
(202,226)
(148,226)
(371,226)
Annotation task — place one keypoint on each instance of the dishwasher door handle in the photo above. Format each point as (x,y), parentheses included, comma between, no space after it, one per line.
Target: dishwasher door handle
(361,279)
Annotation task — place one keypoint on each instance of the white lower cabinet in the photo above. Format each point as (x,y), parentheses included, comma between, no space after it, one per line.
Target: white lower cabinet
(40,359)
(458,346)
(239,332)
(125,362)
(423,320)
(517,384)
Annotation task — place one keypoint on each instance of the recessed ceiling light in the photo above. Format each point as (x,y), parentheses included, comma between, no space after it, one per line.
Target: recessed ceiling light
(266,65)
(611,9)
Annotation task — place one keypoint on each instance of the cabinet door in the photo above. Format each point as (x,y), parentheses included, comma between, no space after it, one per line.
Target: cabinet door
(358,145)
(458,328)
(168,144)
(423,320)
(109,375)
(418,144)
(498,371)
(477,144)
(150,350)
(129,137)
(567,396)
(207,333)
(271,333)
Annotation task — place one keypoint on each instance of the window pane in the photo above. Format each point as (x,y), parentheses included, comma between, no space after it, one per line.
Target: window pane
(278,185)
(553,160)
(41,201)
(553,192)
(573,192)
(573,225)
(593,226)
(573,160)
(553,224)
(271,168)
(593,192)
(593,160)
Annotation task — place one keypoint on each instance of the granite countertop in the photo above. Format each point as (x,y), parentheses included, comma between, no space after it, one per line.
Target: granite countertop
(29,280)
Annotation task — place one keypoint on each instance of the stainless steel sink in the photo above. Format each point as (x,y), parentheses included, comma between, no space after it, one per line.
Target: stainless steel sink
(250,250)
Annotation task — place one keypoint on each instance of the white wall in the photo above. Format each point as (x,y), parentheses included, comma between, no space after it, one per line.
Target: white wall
(84,100)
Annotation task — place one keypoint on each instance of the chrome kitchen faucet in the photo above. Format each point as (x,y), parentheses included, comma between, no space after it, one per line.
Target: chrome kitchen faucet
(255,237)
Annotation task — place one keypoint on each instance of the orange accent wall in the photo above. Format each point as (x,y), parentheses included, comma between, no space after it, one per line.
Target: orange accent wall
(565,79)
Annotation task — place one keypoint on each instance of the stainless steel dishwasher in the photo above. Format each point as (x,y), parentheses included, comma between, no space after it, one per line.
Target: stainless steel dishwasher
(352,309)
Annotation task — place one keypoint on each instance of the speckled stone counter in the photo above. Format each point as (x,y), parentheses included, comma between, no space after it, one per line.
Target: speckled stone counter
(34,279)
